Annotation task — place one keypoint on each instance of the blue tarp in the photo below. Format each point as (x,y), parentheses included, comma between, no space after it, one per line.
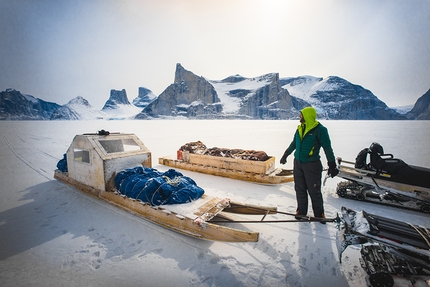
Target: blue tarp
(62,164)
(155,187)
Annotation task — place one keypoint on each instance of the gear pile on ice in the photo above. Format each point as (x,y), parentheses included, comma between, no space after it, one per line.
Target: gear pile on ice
(385,180)
(155,187)
(200,148)
(392,251)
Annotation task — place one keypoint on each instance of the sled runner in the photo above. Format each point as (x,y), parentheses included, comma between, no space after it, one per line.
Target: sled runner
(385,180)
(254,166)
(391,251)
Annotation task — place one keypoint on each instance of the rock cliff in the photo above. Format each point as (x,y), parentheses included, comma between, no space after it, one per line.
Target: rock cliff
(116,98)
(16,106)
(421,109)
(144,97)
(189,96)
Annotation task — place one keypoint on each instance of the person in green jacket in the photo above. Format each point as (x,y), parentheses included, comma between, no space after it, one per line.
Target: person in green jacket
(307,142)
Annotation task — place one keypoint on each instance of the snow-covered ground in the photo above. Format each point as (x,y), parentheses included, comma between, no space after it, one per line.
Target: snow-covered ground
(54,235)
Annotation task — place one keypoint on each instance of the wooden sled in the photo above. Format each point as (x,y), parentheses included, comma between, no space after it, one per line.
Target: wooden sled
(197,224)
(247,170)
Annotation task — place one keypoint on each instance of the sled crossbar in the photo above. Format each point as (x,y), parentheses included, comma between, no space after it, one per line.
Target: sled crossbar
(299,218)
(276,221)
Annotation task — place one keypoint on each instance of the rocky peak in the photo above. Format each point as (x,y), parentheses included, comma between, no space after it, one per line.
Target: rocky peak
(189,96)
(116,98)
(145,96)
(233,79)
(79,101)
(77,109)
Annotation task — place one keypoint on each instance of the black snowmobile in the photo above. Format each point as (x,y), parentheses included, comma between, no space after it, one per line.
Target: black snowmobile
(384,180)
(393,253)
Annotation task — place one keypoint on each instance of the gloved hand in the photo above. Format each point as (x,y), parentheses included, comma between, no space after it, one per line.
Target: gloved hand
(332,169)
(284,158)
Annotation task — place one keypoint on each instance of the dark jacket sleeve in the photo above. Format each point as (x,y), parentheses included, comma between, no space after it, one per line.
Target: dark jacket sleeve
(292,145)
(325,142)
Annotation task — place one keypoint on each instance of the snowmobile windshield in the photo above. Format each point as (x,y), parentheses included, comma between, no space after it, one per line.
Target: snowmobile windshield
(310,120)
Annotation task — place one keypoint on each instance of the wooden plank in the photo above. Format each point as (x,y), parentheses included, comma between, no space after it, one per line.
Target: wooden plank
(272,178)
(236,207)
(229,216)
(211,208)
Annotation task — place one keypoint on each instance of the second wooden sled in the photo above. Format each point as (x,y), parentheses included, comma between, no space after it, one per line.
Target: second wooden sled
(247,170)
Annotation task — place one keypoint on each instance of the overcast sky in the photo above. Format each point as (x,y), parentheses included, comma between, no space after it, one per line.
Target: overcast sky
(59,49)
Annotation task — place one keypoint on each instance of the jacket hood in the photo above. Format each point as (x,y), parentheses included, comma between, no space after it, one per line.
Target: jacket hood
(310,116)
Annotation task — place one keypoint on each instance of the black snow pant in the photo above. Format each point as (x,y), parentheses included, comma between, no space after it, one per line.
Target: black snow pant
(307,180)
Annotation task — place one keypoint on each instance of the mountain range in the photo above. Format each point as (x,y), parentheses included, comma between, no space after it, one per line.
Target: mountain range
(235,97)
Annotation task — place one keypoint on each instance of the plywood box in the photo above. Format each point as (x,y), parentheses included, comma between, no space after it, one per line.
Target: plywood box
(92,159)
(260,167)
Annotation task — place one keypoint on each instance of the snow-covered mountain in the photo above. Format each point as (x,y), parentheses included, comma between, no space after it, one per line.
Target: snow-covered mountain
(234,89)
(403,110)
(235,97)
(336,98)
(117,107)
(266,97)
(257,98)
(193,96)
(144,97)
(78,109)
(16,106)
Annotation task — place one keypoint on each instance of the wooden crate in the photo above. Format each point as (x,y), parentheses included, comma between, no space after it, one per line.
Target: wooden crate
(260,167)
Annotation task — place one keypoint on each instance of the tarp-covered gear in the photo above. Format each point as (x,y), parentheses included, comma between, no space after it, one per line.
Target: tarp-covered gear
(157,188)
(200,148)
(62,164)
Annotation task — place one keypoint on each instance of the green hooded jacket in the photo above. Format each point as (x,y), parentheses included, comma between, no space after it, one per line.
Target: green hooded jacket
(309,138)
